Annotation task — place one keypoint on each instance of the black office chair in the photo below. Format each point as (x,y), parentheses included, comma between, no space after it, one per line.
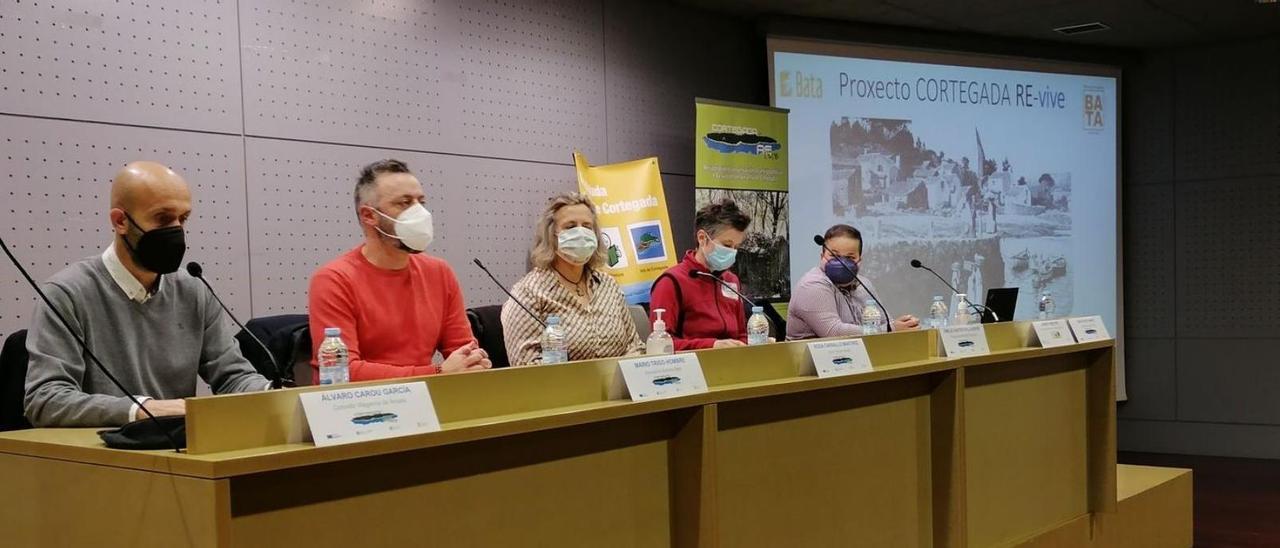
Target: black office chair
(13,382)
(300,363)
(281,335)
(486,326)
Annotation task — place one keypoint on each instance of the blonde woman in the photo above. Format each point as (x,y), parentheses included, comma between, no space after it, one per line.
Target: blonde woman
(566,281)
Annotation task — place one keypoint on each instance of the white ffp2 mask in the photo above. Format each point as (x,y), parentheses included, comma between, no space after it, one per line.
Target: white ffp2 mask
(414,227)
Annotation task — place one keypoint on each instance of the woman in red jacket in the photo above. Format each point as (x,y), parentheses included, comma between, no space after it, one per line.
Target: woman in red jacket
(700,311)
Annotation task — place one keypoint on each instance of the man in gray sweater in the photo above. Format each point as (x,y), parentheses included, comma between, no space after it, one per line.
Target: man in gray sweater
(155,328)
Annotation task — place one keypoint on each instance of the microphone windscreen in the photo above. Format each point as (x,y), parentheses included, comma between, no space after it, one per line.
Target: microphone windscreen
(817,239)
(194,269)
(915,263)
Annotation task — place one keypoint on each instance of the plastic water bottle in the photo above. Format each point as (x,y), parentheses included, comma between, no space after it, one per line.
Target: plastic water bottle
(659,341)
(1046,305)
(757,327)
(555,347)
(871,317)
(960,312)
(332,358)
(938,313)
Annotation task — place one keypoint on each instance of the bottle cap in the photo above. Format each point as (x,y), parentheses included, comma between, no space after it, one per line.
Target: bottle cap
(553,319)
(757,309)
(332,332)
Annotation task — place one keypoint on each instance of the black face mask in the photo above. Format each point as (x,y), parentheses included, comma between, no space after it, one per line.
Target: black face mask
(158,250)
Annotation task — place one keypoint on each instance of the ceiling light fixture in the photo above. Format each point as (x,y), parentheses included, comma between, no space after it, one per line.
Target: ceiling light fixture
(1095,26)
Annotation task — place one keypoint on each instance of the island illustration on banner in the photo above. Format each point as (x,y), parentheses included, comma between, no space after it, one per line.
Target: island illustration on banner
(646,241)
(741,143)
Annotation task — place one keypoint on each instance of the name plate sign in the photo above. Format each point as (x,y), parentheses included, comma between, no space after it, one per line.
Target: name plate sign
(663,376)
(351,415)
(836,358)
(1051,333)
(964,340)
(1089,328)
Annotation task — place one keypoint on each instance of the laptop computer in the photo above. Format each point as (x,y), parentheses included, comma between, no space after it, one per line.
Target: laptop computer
(1001,300)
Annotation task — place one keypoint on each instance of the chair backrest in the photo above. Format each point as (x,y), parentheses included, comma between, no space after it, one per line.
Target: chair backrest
(13,381)
(641,318)
(301,357)
(280,334)
(486,327)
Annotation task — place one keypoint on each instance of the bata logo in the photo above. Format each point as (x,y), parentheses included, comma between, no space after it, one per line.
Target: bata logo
(799,84)
(1094,109)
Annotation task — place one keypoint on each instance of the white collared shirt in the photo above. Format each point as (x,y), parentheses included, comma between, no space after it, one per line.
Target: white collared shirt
(124,279)
(133,289)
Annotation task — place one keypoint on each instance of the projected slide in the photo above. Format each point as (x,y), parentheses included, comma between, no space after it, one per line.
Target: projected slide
(995,178)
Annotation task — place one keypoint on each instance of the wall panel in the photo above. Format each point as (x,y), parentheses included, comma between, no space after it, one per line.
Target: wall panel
(57,184)
(145,63)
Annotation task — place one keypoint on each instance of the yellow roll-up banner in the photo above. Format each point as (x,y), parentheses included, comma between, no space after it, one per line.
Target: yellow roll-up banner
(632,212)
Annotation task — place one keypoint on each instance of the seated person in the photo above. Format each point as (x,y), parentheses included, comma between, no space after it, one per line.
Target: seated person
(153,327)
(395,306)
(566,281)
(700,312)
(828,300)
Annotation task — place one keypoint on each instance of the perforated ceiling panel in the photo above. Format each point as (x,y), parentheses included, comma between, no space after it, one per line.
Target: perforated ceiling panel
(497,207)
(156,63)
(653,77)
(366,72)
(1227,265)
(302,213)
(532,79)
(57,180)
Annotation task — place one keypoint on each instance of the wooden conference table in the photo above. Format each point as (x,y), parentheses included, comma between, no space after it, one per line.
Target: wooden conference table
(1016,447)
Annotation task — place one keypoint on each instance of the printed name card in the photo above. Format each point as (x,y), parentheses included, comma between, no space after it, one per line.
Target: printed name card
(351,415)
(836,358)
(964,340)
(1089,328)
(1051,333)
(664,376)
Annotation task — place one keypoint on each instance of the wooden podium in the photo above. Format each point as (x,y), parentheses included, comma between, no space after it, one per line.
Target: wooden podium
(1013,448)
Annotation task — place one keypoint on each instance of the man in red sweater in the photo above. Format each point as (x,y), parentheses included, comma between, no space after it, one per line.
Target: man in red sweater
(395,306)
(700,312)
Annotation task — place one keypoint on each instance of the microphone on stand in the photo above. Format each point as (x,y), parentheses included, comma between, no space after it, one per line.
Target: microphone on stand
(724,284)
(197,272)
(888,319)
(979,308)
(513,297)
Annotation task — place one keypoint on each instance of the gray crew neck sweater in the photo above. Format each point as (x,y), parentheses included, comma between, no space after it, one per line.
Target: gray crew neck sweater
(155,348)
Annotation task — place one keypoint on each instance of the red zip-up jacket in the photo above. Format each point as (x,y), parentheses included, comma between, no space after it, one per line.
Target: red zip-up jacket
(698,310)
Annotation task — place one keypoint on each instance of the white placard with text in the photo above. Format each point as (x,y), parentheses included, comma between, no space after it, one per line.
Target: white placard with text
(964,340)
(664,376)
(350,415)
(1051,333)
(836,358)
(1089,328)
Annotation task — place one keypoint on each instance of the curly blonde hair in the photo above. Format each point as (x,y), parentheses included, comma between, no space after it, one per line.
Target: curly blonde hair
(543,254)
